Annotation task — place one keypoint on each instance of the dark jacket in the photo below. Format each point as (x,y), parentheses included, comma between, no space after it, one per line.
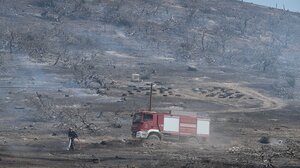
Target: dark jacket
(72,134)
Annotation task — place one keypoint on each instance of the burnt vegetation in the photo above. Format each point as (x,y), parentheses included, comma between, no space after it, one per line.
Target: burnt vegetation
(208,33)
(102,42)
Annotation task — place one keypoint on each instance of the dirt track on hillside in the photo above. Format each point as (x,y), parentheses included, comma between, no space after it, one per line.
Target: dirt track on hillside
(259,101)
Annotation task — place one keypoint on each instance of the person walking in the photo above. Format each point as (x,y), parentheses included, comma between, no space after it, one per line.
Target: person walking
(72,136)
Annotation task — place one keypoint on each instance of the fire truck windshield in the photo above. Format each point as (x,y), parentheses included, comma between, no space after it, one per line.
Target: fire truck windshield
(137,117)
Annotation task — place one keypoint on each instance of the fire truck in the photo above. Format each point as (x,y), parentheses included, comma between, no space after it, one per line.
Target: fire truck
(161,125)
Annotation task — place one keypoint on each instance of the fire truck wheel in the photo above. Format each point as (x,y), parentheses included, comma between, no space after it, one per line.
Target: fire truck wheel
(154,137)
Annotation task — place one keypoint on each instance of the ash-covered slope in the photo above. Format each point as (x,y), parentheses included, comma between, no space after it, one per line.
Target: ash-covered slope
(98,35)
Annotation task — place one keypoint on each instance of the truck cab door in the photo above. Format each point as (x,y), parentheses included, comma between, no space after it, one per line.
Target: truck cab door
(148,121)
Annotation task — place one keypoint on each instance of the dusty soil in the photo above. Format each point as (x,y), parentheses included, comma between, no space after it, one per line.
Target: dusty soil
(33,131)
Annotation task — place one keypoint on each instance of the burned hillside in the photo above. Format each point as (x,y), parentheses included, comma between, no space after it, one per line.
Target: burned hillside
(231,35)
(90,65)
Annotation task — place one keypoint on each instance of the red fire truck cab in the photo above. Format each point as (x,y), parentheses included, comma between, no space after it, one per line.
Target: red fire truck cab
(156,125)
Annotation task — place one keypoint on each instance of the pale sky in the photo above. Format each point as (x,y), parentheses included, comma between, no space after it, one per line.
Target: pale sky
(292,5)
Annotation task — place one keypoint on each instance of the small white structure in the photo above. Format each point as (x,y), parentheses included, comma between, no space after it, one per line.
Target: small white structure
(135,77)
